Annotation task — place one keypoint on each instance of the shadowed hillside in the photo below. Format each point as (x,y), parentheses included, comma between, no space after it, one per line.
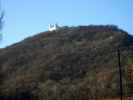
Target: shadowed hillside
(71,63)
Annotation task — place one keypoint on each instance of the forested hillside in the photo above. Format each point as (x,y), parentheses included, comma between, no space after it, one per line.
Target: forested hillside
(71,63)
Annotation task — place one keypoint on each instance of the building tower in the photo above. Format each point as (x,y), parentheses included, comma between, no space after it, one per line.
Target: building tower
(53,27)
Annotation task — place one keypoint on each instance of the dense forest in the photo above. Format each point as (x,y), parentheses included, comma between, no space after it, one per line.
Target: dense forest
(70,63)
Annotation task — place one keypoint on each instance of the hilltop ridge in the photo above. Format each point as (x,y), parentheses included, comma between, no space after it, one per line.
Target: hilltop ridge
(65,64)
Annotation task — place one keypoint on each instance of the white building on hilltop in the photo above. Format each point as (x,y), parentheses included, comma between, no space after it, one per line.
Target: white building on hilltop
(53,27)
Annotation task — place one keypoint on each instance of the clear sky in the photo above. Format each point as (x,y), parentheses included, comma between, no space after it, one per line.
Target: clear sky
(25,18)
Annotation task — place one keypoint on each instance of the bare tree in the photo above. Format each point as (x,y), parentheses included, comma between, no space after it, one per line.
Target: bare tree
(1,20)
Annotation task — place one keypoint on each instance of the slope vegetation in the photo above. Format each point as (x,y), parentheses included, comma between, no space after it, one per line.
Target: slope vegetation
(71,63)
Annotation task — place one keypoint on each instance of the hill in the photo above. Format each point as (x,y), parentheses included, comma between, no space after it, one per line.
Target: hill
(71,63)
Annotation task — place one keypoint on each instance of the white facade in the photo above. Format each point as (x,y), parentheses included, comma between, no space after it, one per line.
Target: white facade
(52,27)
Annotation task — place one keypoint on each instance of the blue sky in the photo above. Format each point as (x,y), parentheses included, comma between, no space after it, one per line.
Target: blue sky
(25,18)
